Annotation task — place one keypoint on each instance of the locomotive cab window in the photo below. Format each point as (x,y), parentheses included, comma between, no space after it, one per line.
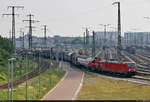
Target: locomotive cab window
(131,66)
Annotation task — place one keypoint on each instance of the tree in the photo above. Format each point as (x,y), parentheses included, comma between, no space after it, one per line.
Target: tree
(77,41)
(6,45)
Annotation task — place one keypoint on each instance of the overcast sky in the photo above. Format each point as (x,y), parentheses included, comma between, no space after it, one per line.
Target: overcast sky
(68,17)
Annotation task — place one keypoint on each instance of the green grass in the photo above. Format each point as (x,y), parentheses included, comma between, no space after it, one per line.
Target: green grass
(98,88)
(19,92)
(147,76)
(19,72)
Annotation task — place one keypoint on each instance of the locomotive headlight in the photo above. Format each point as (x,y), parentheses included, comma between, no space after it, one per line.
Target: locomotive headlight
(131,70)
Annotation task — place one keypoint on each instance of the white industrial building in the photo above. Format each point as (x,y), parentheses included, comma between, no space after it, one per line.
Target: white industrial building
(136,38)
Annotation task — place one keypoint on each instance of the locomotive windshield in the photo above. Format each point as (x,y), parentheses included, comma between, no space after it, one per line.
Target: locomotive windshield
(131,66)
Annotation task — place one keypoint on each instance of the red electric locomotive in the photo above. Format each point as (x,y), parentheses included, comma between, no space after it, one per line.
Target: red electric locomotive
(127,68)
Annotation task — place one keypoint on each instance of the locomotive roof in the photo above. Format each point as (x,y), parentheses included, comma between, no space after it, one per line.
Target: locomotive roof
(129,62)
(118,62)
(83,56)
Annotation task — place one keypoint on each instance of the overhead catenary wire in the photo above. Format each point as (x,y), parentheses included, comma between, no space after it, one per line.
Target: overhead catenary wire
(13,14)
(30,28)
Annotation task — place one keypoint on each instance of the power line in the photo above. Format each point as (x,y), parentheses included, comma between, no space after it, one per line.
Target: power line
(84,42)
(10,35)
(13,23)
(45,37)
(105,25)
(22,35)
(30,28)
(104,45)
(87,40)
(93,47)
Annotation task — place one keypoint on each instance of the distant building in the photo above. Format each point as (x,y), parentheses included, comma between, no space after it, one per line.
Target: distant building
(137,38)
(59,39)
(110,39)
(37,42)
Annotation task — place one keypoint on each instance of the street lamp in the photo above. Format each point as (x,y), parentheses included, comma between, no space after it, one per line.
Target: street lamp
(119,47)
(11,65)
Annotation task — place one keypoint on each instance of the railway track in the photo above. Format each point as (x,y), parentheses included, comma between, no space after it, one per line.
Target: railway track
(108,53)
(143,53)
(43,66)
(113,52)
(145,60)
(135,58)
(141,57)
(98,54)
(135,79)
(141,78)
(143,69)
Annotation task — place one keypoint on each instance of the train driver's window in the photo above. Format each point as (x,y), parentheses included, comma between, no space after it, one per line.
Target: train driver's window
(131,65)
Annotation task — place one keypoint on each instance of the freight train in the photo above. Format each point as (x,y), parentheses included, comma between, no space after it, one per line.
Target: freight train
(94,64)
(115,67)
